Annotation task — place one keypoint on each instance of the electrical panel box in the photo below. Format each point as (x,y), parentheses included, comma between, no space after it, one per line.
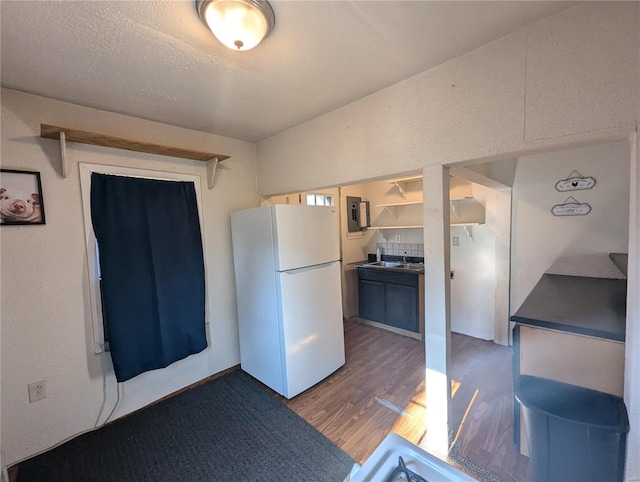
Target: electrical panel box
(357,214)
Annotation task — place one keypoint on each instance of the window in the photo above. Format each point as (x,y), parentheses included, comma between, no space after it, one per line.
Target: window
(93,265)
(105,333)
(319,200)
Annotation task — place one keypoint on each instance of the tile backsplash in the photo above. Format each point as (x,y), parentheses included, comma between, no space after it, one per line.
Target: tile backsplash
(398,249)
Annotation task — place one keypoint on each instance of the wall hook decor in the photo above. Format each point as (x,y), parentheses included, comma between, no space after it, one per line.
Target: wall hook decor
(571,207)
(575,182)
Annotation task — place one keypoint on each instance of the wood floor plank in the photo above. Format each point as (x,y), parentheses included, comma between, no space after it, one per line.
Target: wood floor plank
(487,437)
(389,366)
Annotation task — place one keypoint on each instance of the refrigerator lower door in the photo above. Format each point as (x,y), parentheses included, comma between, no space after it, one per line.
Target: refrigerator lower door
(312,325)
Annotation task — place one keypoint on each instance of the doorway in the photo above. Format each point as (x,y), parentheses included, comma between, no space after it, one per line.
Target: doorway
(576,247)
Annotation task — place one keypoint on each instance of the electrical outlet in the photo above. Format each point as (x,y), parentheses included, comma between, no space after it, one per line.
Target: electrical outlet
(456,240)
(397,238)
(37,391)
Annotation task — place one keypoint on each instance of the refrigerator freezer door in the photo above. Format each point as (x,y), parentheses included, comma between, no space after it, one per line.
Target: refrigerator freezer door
(312,325)
(305,235)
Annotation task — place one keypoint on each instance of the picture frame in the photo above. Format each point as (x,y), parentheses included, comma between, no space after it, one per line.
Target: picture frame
(21,201)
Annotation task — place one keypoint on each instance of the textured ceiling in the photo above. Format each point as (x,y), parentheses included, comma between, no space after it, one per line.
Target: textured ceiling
(156,60)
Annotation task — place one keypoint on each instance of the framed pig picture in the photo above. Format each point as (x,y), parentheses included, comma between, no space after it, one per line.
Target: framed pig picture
(20,198)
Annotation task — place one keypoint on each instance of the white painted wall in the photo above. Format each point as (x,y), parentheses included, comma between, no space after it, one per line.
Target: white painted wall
(354,249)
(572,245)
(46,325)
(473,262)
(474,287)
(566,80)
(489,103)
(298,197)
(384,192)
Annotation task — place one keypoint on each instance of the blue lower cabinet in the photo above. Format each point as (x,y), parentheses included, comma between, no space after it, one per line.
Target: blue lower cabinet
(401,308)
(371,300)
(389,297)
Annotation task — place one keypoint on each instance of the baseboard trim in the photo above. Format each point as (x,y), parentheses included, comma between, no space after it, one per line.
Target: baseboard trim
(182,390)
(12,472)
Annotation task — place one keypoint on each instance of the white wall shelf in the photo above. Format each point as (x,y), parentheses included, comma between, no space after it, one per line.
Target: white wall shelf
(399,183)
(417,177)
(402,203)
(466,212)
(396,227)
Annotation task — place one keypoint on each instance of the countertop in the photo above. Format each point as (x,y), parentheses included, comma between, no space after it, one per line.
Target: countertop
(575,304)
(621,260)
(356,263)
(365,265)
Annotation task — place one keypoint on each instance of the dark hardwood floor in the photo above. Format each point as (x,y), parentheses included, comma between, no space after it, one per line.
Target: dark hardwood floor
(387,366)
(485,395)
(381,365)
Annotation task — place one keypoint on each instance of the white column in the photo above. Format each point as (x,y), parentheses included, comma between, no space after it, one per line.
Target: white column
(435,186)
(501,324)
(632,340)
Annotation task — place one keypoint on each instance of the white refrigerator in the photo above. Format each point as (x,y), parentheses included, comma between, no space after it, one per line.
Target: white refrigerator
(288,290)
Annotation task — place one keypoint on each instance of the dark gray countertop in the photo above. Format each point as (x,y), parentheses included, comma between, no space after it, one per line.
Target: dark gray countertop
(414,260)
(575,304)
(356,263)
(397,269)
(621,260)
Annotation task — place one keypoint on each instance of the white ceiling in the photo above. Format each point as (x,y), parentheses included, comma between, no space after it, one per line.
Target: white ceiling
(156,60)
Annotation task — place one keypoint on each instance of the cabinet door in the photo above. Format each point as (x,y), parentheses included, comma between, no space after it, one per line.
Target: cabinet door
(371,300)
(402,307)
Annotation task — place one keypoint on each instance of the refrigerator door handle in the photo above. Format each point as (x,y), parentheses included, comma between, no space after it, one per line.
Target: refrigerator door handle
(310,268)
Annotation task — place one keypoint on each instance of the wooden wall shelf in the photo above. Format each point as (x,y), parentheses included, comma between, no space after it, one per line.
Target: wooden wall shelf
(64,134)
(83,137)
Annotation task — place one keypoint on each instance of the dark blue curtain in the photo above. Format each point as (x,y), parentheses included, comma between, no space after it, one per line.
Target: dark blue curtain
(152,270)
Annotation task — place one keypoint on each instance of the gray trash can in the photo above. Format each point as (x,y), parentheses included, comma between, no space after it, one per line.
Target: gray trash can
(574,433)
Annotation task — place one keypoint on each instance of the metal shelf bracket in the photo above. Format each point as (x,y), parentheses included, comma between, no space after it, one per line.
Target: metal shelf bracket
(212,167)
(400,188)
(63,154)
(469,229)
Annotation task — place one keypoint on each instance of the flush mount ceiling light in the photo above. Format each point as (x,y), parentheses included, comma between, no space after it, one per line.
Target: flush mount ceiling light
(238,24)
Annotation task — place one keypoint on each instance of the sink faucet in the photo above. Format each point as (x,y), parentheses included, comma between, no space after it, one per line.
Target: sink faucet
(404,258)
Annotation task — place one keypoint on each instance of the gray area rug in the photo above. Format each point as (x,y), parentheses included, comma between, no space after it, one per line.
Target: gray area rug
(229,429)
(477,471)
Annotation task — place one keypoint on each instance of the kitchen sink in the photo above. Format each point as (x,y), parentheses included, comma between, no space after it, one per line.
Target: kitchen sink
(416,266)
(396,265)
(385,264)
